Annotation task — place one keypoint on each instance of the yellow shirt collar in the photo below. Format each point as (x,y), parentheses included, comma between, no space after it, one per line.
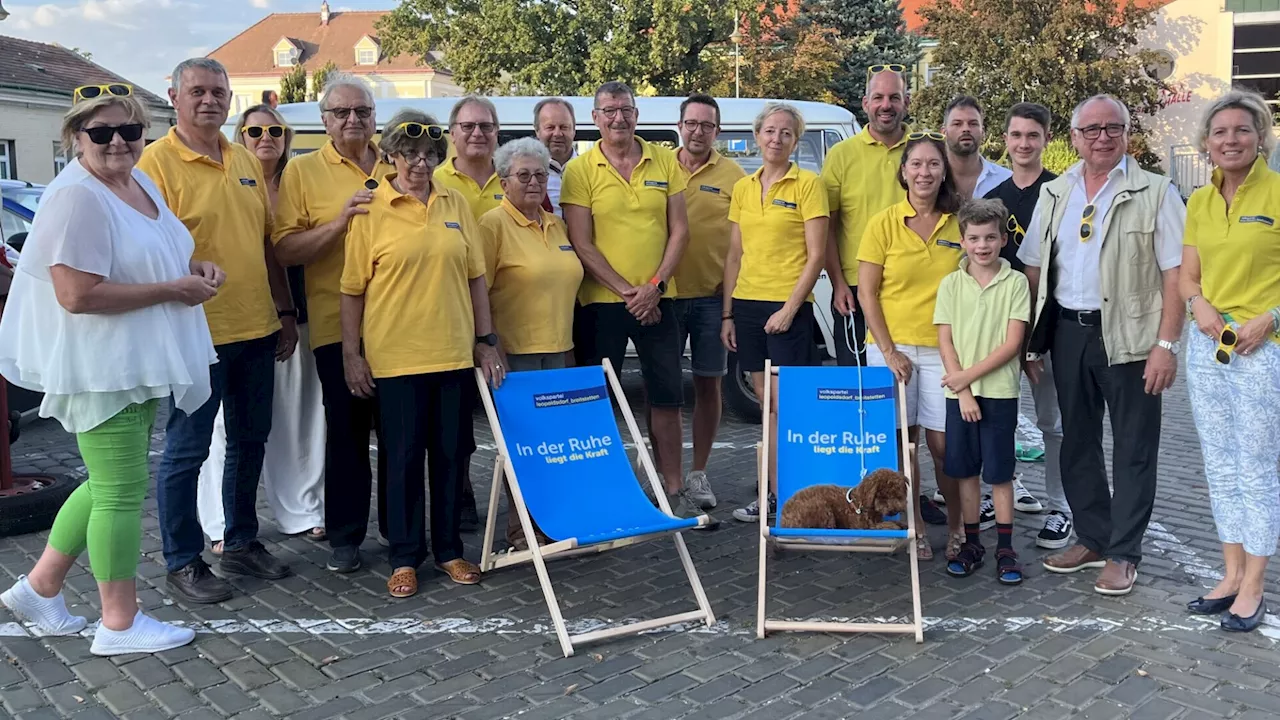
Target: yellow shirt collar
(793,173)
(330,153)
(866,137)
(189,155)
(520,217)
(599,158)
(451,169)
(1255,172)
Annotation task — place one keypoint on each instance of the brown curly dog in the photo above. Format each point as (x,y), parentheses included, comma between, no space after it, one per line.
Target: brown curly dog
(863,507)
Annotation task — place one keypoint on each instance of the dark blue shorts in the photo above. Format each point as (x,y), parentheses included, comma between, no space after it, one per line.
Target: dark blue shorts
(983,448)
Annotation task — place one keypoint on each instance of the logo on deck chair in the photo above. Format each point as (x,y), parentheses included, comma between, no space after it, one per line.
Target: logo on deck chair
(570,397)
(851,394)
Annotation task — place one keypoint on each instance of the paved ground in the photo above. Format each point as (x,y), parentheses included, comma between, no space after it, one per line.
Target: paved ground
(318,646)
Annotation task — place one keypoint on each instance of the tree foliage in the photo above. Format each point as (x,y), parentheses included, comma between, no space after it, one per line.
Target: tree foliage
(1054,52)
(293,85)
(865,32)
(781,56)
(320,77)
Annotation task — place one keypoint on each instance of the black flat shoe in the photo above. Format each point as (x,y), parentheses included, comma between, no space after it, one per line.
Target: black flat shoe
(1234,623)
(1214,606)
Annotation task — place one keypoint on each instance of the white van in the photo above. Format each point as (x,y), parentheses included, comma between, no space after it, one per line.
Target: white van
(825,124)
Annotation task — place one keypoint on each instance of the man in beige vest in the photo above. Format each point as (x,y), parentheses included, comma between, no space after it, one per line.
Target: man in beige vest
(1106,239)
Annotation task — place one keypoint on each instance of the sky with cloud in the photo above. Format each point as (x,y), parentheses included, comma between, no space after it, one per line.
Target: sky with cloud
(144,39)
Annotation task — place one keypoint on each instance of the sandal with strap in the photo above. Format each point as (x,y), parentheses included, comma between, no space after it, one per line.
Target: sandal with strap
(405,577)
(954,542)
(316,534)
(967,560)
(1008,570)
(924,551)
(461,571)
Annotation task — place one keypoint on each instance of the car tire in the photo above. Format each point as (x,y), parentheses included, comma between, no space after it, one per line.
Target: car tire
(739,397)
(34,511)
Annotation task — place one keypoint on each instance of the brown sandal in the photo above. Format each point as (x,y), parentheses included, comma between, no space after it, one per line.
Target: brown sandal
(461,571)
(401,578)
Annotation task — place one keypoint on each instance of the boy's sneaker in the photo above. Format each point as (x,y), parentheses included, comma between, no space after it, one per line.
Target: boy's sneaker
(751,513)
(1056,533)
(938,498)
(930,513)
(1023,500)
(698,488)
(987,513)
(684,506)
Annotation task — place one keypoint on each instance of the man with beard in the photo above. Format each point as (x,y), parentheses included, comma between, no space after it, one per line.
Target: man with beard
(975,175)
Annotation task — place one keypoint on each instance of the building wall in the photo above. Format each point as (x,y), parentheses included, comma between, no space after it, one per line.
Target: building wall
(247,91)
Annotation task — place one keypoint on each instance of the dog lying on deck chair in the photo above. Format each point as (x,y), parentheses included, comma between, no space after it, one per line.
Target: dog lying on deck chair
(862,507)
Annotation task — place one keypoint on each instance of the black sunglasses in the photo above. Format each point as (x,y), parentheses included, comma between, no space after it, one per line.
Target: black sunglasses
(102,134)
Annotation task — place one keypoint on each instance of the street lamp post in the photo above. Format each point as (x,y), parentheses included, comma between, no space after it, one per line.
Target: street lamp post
(736,39)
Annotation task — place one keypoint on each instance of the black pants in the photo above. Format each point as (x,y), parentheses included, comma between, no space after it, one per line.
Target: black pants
(347,477)
(1106,523)
(845,356)
(426,415)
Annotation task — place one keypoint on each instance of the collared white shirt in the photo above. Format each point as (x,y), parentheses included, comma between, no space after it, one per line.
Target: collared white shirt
(1078,286)
(554,180)
(991,176)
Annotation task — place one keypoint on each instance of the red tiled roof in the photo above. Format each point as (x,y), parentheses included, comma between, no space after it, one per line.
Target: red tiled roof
(911,10)
(251,52)
(52,68)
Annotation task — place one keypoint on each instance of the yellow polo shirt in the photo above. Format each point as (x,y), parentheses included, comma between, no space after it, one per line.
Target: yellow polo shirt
(481,199)
(313,192)
(706,195)
(629,219)
(225,208)
(979,319)
(1239,247)
(861,175)
(533,276)
(772,227)
(412,263)
(913,269)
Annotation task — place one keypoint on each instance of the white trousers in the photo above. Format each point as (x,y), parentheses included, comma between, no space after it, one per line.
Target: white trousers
(293,470)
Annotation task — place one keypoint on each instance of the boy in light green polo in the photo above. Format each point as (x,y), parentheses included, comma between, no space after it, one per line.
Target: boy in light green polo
(981,314)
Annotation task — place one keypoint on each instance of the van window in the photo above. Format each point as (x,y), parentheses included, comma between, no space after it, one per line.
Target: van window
(584,138)
(741,146)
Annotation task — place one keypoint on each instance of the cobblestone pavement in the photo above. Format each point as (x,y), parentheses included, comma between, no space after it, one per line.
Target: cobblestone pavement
(318,645)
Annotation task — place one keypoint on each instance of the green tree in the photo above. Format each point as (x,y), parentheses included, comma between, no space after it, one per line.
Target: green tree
(865,33)
(1054,52)
(782,56)
(320,77)
(293,85)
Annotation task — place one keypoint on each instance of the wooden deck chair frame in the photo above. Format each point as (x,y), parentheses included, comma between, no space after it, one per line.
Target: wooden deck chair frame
(538,555)
(765,624)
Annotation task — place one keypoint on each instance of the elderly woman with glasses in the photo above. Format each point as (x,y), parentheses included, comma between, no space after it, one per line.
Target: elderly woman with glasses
(1230,281)
(104,318)
(532,271)
(293,469)
(413,288)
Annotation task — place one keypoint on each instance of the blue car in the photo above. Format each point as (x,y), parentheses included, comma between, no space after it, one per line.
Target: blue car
(17,211)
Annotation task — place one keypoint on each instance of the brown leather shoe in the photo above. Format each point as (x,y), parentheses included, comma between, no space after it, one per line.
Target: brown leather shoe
(1073,559)
(1116,578)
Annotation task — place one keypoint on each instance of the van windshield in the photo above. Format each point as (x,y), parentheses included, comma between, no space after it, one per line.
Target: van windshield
(741,146)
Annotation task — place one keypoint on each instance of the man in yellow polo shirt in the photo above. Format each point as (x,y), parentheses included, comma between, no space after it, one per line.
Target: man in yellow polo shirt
(218,191)
(624,204)
(709,179)
(319,194)
(473,127)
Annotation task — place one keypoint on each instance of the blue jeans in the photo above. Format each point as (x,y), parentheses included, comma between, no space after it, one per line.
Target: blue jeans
(244,380)
(699,322)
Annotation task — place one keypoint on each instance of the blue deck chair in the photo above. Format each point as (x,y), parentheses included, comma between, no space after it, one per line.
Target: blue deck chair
(560,450)
(836,425)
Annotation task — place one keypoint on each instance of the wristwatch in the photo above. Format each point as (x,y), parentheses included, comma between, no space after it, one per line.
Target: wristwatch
(491,339)
(660,284)
(1034,356)
(1173,347)
(291,312)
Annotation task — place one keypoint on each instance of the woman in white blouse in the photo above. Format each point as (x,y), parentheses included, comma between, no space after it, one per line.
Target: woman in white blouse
(104,318)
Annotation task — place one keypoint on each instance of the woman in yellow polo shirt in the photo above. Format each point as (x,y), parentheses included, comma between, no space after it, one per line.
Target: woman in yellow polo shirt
(413,286)
(1230,280)
(906,251)
(777,235)
(532,271)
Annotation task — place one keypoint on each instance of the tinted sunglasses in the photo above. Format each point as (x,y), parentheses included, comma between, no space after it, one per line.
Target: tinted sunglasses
(922,134)
(89,92)
(1086,222)
(102,134)
(1015,230)
(255,131)
(1226,345)
(417,130)
(886,67)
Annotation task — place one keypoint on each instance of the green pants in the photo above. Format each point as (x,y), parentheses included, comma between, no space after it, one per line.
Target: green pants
(105,512)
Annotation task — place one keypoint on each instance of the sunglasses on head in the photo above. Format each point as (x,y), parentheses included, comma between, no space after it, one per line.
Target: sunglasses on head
(256,131)
(1015,229)
(102,134)
(89,92)
(416,130)
(886,67)
(922,134)
(1226,345)
(1086,222)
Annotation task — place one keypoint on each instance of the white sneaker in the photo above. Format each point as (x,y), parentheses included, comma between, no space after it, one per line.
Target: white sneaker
(50,615)
(146,635)
(938,499)
(698,488)
(987,513)
(1023,500)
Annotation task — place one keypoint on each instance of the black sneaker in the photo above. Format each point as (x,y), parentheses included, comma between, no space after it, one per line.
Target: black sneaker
(1056,533)
(196,583)
(253,560)
(344,559)
(930,511)
(987,514)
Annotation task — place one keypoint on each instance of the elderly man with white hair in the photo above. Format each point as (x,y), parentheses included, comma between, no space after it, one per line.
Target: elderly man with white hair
(1102,252)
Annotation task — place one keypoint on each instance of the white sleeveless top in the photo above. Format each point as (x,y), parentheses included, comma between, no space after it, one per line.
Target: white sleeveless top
(92,366)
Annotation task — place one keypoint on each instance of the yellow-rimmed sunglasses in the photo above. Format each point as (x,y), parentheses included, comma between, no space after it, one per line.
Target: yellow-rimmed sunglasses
(256,131)
(89,92)
(922,134)
(1015,229)
(885,67)
(416,130)
(1227,340)
(1086,222)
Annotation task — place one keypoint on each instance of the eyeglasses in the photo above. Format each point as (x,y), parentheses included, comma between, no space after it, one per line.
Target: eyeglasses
(89,92)
(1113,130)
(342,113)
(1086,222)
(922,134)
(524,176)
(412,159)
(707,127)
(1015,229)
(1226,345)
(612,112)
(466,128)
(255,131)
(103,134)
(416,130)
